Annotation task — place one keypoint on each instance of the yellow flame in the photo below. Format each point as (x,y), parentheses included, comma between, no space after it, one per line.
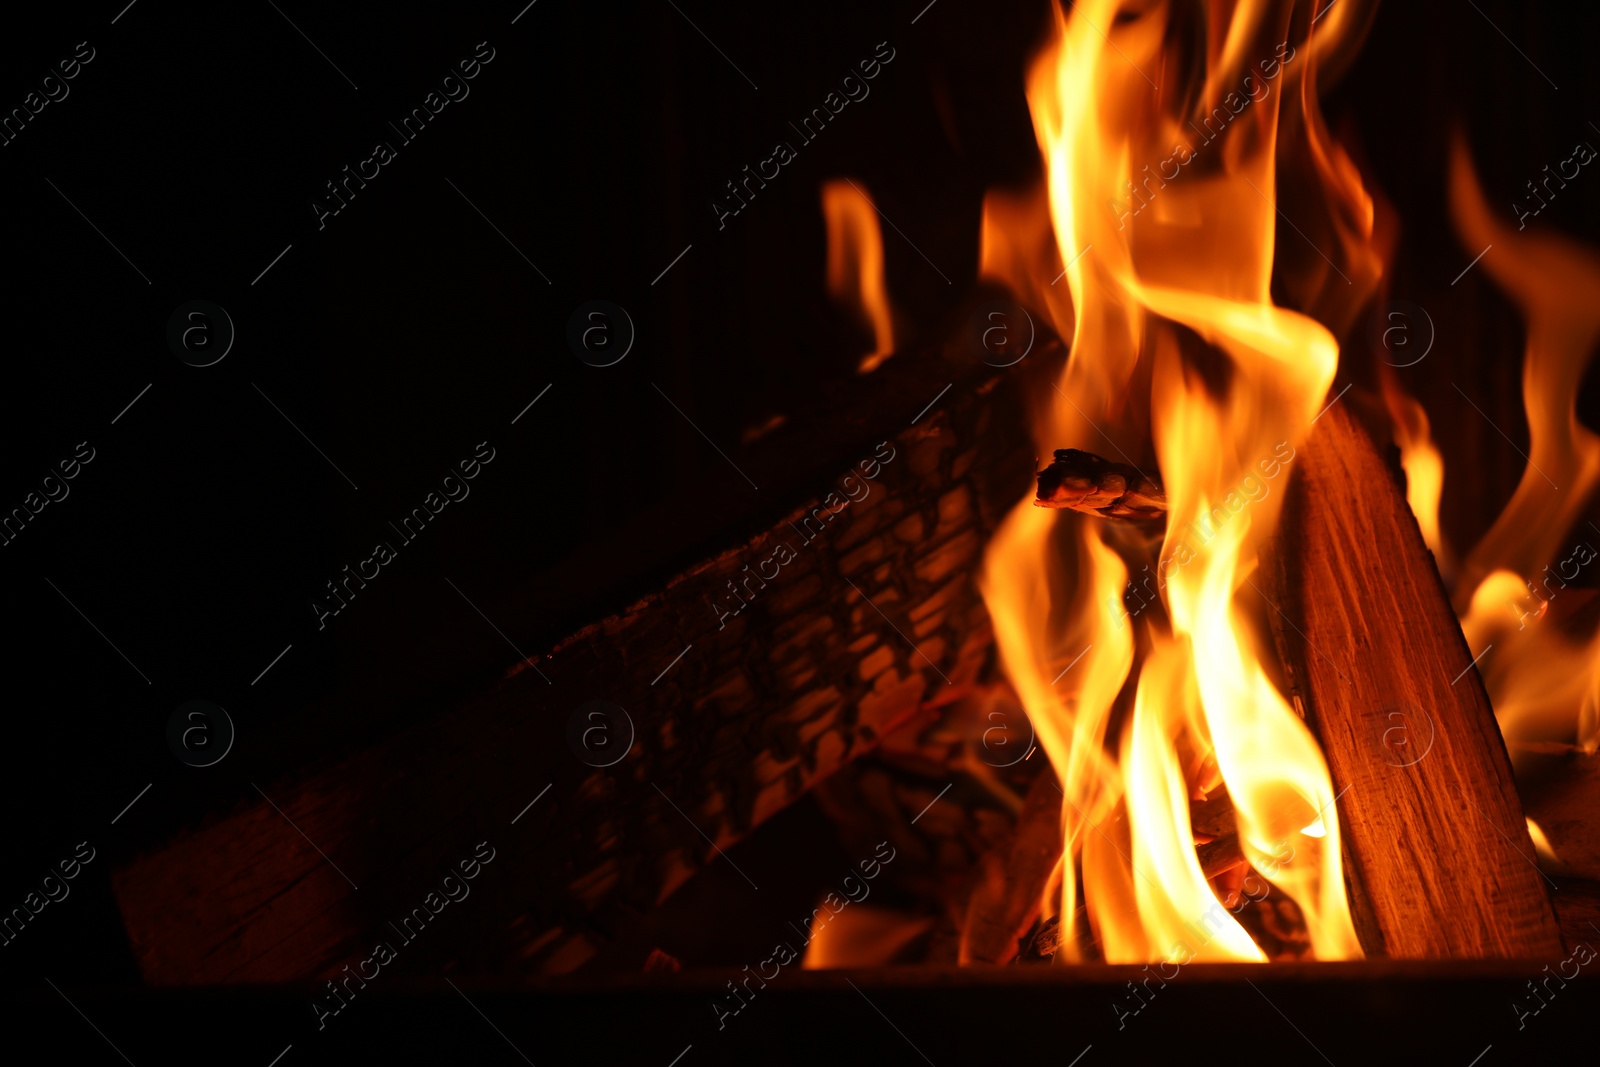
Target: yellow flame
(1423,465)
(1066,667)
(1548,860)
(855,263)
(1168,272)
(1544,683)
(1178,911)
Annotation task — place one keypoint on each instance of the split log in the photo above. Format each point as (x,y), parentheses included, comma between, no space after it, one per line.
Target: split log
(1577,904)
(1083,481)
(1436,851)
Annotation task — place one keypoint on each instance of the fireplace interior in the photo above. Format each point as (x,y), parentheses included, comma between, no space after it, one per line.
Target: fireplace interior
(1005,599)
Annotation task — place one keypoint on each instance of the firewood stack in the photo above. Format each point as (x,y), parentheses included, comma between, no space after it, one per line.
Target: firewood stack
(863,673)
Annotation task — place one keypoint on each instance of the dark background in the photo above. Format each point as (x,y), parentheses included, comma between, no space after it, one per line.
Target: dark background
(408,330)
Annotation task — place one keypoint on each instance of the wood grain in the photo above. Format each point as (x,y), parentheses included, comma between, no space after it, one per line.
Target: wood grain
(1436,848)
(736,717)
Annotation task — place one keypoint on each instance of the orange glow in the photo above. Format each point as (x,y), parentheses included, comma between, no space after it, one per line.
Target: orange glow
(1548,860)
(862,935)
(1014,238)
(1165,244)
(855,263)
(1424,468)
(1543,680)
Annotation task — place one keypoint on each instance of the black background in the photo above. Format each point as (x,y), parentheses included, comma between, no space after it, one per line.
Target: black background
(408,330)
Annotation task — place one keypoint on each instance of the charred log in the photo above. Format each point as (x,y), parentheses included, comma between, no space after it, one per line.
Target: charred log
(1083,481)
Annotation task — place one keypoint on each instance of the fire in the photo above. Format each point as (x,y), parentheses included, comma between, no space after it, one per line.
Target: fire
(863,935)
(1543,680)
(1158,215)
(855,263)
(1424,468)
(1555,283)
(1548,860)
(1011,242)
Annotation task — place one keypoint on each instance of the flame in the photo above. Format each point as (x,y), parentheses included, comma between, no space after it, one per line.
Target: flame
(1015,234)
(1173,897)
(1548,860)
(1543,681)
(1158,212)
(855,263)
(1424,468)
(861,935)
(1555,283)
(1039,637)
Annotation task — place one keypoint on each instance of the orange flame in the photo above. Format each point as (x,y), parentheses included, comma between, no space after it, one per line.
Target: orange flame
(1543,681)
(1555,283)
(1160,199)
(1015,235)
(1424,468)
(1548,860)
(861,935)
(855,263)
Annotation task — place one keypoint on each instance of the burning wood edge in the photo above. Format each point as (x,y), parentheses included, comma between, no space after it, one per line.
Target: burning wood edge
(1220,856)
(773,699)
(1434,842)
(1083,481)
(1043,939)
(1042,943)
(1004,905)
(1003,924)
(1436,849)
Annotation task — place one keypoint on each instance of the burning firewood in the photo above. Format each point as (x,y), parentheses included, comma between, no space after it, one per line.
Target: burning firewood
(1004,905)
(1212,817)
(1042,942)
(1435,842)
(1083,481)
(1220,856)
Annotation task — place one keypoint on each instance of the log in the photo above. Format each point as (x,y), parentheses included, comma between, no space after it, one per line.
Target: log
(1562,793)
(1083,481)
(1009,885)
(1220,856)
(734,714)
(1435,847)
(1577,904)
(1213,817)
(1042,943)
